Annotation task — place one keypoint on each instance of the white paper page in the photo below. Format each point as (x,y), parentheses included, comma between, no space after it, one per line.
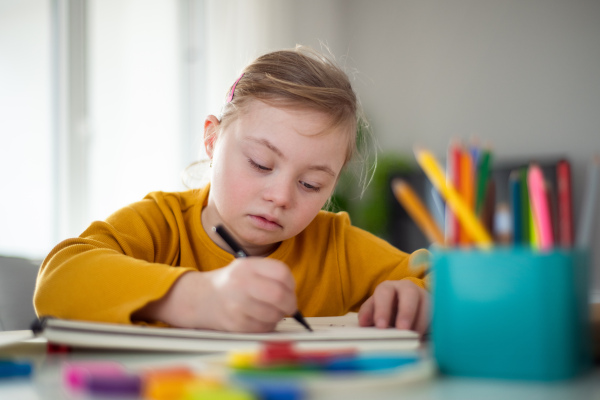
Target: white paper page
(337,328)
(329,332)
(324,329)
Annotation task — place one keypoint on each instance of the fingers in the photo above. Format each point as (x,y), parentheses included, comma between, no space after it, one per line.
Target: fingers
(400,304)
(274,270)
(423,318)
(272,293)
(273,284)
(251,316)
(253,294)
(408,307)
(385,304)
(365,314)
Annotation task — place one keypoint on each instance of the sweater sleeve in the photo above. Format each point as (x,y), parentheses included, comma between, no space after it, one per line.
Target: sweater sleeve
(366,260)
(114,267)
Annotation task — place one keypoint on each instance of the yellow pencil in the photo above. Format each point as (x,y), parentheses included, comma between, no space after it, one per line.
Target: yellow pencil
(534,237)
(417,210)
(467,218)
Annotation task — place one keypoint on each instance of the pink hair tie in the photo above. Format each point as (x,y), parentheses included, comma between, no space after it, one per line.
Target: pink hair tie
(230,97)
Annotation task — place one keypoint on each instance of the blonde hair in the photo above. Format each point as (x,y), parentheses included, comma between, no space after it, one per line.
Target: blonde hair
(304,78)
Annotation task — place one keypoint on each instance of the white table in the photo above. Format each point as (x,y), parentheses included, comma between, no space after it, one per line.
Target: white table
(46,381)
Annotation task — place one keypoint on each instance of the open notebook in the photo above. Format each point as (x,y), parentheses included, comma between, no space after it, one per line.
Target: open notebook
(329,332)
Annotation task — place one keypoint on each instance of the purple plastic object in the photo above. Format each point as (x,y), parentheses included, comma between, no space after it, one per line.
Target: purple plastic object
(118,385)
(76,375)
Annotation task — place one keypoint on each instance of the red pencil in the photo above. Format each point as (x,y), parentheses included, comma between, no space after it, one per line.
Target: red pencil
(553,204)
(465,188)
(565,207)
(453,176)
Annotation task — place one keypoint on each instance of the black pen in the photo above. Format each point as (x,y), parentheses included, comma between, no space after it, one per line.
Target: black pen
(238,252)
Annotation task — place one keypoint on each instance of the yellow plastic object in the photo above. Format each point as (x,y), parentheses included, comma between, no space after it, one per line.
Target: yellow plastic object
(242,359)
(219,393)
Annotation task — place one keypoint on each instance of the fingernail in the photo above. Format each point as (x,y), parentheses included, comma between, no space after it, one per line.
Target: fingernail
(381,323)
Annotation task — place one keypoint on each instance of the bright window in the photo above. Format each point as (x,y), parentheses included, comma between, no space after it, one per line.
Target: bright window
(134,102)
(26,147)
(99,106)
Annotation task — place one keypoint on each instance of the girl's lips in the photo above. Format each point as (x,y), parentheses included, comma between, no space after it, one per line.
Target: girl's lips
(265,223)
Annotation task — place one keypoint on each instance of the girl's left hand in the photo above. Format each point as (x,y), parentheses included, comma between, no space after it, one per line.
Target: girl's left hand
(401,304)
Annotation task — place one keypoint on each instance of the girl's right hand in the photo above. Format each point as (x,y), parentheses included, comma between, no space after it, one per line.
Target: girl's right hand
(249,295)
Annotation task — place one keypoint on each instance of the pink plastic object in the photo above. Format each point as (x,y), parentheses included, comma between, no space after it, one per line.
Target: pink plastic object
(230,96)
(77,374)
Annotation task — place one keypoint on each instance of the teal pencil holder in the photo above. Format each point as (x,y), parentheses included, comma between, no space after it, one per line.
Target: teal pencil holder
(511,313)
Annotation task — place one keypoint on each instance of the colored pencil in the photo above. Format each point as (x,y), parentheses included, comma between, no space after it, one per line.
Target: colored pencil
(534,241)
(466,189)
(514,181)
(540,207)
(483,176)
(489,206)
(565,204)
(475,151)
(417,210)
(552,204)
(586,221)
(467,217)
(525,209)
(452,226)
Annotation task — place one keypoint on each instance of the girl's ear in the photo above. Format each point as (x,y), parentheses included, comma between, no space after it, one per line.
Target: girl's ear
(211,130)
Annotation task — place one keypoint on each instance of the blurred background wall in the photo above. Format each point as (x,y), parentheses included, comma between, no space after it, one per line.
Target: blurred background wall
(102,101)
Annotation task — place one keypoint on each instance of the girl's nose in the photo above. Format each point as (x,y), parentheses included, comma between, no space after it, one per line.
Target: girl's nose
(280,193)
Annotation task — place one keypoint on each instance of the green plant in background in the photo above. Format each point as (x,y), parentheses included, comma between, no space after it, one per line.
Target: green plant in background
(371,212)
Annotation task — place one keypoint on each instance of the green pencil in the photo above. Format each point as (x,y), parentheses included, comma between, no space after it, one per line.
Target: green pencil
(483,177)
(525,211)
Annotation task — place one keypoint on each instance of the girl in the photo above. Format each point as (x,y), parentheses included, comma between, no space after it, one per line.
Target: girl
(288,128)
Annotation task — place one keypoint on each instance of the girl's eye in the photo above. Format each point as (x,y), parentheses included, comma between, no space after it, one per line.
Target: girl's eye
(310,187)
(258,167)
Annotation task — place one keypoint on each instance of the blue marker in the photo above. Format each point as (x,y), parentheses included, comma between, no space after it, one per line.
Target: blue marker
(272,389)
(12,369)
(372,363)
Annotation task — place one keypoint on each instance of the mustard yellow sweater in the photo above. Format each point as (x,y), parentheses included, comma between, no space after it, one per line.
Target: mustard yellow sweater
(119,265)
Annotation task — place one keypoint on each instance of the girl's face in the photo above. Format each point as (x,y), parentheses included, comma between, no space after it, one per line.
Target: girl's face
(271,174)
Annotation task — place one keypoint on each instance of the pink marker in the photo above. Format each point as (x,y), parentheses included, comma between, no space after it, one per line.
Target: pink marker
(77,374)
(540,207)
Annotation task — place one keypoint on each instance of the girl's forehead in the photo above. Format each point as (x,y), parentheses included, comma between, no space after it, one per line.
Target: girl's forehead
(274,122)
(288,130)
(302,119)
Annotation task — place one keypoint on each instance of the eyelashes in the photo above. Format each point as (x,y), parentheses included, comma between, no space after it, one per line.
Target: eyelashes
(310,187)
(257,166)
(262,168)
